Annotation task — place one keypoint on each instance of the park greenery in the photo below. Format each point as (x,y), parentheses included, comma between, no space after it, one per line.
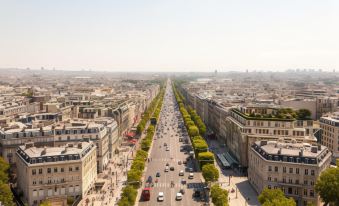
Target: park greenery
(219,196)
(6,195)
(134,175)
(275,197)
(327,186)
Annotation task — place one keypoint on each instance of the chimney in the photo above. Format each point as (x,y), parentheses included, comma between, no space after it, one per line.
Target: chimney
(301,152)
(314,149)
(279,151)
(44,151)
(29,145)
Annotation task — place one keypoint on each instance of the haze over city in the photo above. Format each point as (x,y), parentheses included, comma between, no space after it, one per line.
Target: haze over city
(169,103)
(171,36)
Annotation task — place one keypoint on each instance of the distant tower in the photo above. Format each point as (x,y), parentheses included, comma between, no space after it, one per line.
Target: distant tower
(215,73)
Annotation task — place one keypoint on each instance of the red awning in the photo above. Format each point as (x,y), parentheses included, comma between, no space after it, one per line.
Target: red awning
(130,134)
(133,141)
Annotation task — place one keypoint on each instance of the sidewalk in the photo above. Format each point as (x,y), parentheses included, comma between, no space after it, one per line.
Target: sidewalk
(244,194)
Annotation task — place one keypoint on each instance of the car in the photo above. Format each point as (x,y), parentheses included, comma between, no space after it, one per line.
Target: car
(166,168)
(172,168)
(178,196)
(165,144)
(191,176)
(182,191)
(167,164)
(167,149)
(183,181)
(190,169)
(149,179)
(181,173)
(158,174)
(179,162)
(184,162)
(160,197)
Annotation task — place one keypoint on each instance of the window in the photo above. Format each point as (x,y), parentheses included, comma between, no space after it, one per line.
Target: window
(311,193)
(61,169)
(269,168)
(305,182)
(269,186)
(305,192)
(312,183)
(34,182)
(76,168)
(297,170)
(297,182)
(291,170)
(49,170)
(276,169)
(306,171)
(269,178)
(284,169)
(290,190)
(33,172)
(55,169)
(70,169)
(312,172)
(290,181)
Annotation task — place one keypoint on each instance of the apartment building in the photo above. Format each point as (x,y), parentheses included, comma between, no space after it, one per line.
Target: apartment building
(55,173)
(102,131)
(245,125)
(293,167)
(330,133)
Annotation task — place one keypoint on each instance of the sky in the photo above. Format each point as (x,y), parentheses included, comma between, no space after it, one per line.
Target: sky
(169,35)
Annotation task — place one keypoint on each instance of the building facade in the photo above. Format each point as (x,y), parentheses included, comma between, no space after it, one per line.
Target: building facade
(330,133)
(55,173)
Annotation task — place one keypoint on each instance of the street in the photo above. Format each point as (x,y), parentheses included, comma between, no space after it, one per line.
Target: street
(167,148)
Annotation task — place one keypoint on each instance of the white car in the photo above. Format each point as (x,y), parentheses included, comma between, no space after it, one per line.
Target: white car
(191,176)
(167,148)
(181,173)
(161,196)
(166,168)
(178,196)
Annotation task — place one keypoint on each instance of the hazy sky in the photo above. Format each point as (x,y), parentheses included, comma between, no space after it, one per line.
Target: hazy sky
(169,35)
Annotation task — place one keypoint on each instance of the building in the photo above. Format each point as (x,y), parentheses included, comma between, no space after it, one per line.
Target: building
(330,133)
(290,166)
(247,124)
(55,173)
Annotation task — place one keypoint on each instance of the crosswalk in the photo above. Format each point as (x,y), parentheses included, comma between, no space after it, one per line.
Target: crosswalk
(167,159)
(167,185)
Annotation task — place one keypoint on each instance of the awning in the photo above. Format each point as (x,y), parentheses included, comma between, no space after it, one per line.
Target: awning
(133,141)
(130,134)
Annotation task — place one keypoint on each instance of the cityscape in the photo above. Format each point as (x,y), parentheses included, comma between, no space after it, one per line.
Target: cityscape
(169,103)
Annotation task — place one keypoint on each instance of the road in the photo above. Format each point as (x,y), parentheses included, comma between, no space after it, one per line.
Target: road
(168,132)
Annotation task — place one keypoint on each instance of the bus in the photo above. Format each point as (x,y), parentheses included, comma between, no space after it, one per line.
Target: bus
(146,194)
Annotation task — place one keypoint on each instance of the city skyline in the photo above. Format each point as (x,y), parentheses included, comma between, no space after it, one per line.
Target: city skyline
(190,36)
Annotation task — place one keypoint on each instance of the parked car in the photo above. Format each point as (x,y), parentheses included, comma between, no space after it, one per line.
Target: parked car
(178,196)
(160,197)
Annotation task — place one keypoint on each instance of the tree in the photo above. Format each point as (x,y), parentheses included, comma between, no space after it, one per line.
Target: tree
(304,114)
(210,173)
(133,177)
(327,186)
(275,197)
(138,165)
(6,195)
(130,193)
(219,196)
(193,131)
(205,158)
(45,203)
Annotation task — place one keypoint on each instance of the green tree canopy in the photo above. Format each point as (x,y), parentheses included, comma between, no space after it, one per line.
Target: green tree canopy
(193,131)
(275,197)
(210,173)
(46,203)
(219,196)
(327,186)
